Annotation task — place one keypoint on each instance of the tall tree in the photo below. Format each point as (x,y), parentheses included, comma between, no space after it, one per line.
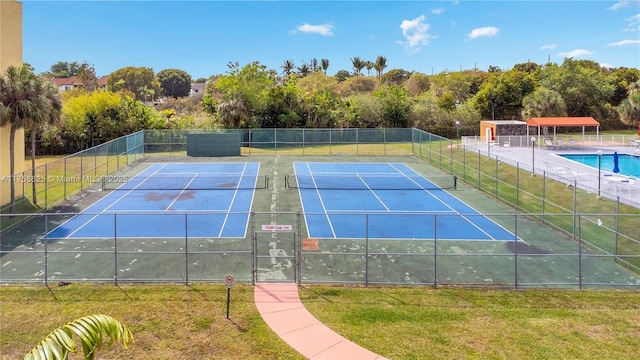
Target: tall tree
(50,116)
(304,69)
(243,88)
(501,97)
(324,64)
(134,79)
(314,65)
(417,83)
(629,108)
(584,89)
(287,67)
(395,77)
(234,113)
(22,101)
(175,82)
(358,64)
(395,105)
(342,75)
(380,65)
(87,74)
(369,66)
(63,69)
(543,103)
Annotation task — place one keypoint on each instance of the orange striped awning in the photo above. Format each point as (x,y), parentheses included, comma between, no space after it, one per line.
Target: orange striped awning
(563,121)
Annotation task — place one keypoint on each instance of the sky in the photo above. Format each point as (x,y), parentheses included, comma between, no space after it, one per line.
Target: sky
(202,37)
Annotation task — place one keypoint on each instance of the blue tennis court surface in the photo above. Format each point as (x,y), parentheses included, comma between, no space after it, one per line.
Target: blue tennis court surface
(399,203)
(216,196)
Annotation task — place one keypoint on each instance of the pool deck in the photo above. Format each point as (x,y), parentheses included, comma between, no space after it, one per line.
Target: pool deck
(548,163)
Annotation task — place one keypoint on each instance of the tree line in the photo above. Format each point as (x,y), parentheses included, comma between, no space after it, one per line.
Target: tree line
(366,96)
(254,96)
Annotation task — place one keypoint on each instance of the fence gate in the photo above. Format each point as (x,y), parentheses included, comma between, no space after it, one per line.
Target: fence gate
(276,255)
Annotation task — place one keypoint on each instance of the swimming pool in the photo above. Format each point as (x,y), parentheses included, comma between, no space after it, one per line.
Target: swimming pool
(629,165)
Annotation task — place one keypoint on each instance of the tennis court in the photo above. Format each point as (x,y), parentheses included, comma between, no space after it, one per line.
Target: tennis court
(216,196)
(386,201)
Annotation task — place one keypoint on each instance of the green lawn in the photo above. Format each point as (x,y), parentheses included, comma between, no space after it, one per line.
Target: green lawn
(189,322)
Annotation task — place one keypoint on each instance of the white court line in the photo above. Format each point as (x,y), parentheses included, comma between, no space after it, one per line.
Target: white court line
(326,214)
(372,192)
(224,223)
(456,211)
(105,210)
(193,177)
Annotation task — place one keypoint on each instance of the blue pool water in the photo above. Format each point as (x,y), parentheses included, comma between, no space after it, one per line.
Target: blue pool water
(629,165)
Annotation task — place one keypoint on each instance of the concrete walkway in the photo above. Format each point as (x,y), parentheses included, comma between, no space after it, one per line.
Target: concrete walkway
(281,308)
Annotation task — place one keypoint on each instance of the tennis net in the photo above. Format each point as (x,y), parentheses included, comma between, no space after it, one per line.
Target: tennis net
(196,182)
(370,182)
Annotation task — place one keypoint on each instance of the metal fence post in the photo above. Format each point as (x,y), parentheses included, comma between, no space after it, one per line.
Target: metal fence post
(464,162)
(366,250)
(580,252)
(517,186)
(186,250)
(479,173)
(254,251)
(575,208)
(497,174)
(615,250)
(451,157)
(544,193)
(299,234)
(46,186)
(115,248)
(46,251)
(515,249)
(435,251)
(64,183)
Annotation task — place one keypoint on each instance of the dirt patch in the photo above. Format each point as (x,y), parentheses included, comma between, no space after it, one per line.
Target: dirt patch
(525,249)
(156,196)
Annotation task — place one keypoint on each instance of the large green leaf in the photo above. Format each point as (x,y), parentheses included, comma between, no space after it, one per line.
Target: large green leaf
(59,343)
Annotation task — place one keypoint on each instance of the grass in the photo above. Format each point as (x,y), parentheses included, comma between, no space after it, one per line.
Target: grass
(180,322)
(517,188)
(168,322)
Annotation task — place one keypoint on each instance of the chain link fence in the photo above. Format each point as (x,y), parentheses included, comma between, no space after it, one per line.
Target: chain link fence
(563,235)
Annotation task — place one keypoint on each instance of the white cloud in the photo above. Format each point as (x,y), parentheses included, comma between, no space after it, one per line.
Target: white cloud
(633,24)
(548,47)
(625,42)
(619,5)
(575,53)
(488,31)
(437,11)
(325,29)
(416,34)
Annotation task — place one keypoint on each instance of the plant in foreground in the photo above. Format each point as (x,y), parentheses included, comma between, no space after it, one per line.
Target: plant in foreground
(58,344)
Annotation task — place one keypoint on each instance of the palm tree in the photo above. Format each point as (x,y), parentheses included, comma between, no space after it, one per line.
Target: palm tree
(358,65)
(59,343)
(629,109)
(234,113)
(543,103)
(21,103)
(51,116)
(324,64)
(304,70)
(380,65)
(287,67)
(369,66)
(314,65)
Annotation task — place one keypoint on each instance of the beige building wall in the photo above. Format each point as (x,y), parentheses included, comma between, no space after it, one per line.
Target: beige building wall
(10,54)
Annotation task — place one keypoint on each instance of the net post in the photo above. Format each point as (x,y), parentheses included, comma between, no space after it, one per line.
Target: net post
(455,182)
